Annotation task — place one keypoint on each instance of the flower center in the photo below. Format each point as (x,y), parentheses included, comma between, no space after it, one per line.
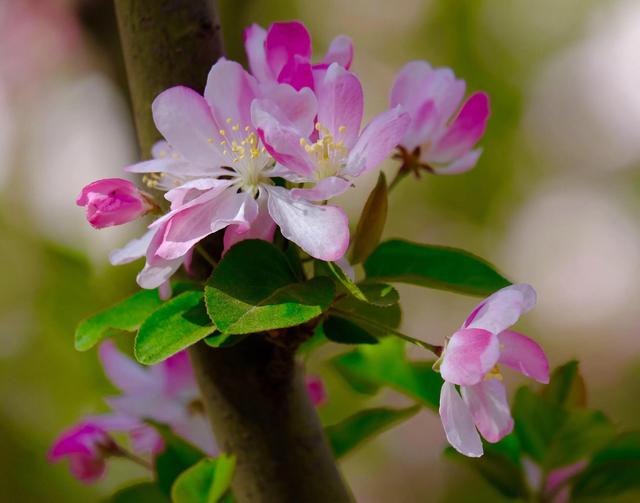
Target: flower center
(328,154)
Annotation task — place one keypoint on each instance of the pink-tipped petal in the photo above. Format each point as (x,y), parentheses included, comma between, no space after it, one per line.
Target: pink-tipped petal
(340,104)
(425,121)
(377,141)
(178,374)
(524,355)
(321,231)
(229,92)
(458,423)
(460,165)
(282,141)
(487,402)
(292,108)
(284,41)
(254,40)
(324,190)
(263,227)
(185,120)
(469,354)
(340,51)
(502,309)
(122,371)
(465,131)
(560,477)
(133,250)
(297,72)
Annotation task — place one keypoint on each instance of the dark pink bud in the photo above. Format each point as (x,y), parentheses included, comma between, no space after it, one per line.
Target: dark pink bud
(316,390)
(112,201)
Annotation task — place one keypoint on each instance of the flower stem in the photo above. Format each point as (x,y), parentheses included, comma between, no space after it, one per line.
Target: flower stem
(205,255)
(127,454)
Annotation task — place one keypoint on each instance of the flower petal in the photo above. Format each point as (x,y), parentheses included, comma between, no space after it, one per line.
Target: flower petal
(296,109)
(325,189)
(187,227)
(133,250)
(460,165)
(465,131)
(487,402)
(282,141)
(184,119)
(340,51)
(469,354)
(524,355)
(123,372)
(340,104)
(297,72)
(321,231)
(229,92)
(458,424)
(377,141)
(502,309)
(254,39)
(262,227)
(284,41)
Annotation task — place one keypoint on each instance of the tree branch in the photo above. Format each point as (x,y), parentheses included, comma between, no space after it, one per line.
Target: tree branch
(254,392)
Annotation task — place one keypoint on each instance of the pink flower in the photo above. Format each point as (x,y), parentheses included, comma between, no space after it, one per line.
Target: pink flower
(470,360)
(166,393)
(283,54)
(334,150)
(316,390)
(112,201)
(435,140)
(222,175)
(557,487)
(88,444)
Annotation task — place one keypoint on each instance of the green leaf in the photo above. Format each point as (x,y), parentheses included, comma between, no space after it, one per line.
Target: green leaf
(206,482)
(433,267)
(253,289)
(385,364)
(176,457)
(145,492)
(364,425)
(218,340)
(380,294)
(346,281)
(371,223)
(555,437)
(126,315)
(567,387)
(345,332)
(613,470)
(500,466)
(176,325)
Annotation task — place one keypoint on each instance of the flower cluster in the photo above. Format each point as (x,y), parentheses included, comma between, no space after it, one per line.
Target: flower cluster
(166,393)
(268,148)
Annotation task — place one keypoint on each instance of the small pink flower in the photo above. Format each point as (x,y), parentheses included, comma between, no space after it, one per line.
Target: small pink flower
(470,360)
(86,446)
(282,54)
(112,201)
(432,96)
(557,487)
(316,390)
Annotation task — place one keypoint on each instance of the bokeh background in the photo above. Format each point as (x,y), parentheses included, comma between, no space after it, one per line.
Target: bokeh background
(554,202)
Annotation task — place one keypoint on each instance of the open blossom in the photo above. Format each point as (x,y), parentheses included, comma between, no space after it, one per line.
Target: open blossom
(434,139)
(470,360)
(282,54)
(222,175)
(335,150)
(112,201)
(88,444)
(166,393)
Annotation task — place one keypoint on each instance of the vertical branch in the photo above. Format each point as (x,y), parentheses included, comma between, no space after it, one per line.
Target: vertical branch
(254,393)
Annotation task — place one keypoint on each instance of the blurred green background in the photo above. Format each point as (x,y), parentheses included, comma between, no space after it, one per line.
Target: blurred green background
(553,202)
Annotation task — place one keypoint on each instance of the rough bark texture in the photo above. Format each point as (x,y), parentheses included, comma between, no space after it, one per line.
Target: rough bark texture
(254,393)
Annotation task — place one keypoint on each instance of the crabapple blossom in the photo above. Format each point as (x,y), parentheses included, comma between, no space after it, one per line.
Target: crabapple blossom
(282,54)
(470,360)
(333,151)
(435,140)
(113,201)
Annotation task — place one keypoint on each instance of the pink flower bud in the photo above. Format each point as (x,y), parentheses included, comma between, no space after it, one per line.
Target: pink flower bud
(112,201)
(86,446)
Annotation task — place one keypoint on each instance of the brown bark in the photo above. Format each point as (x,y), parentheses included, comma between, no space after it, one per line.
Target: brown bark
(254,392)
